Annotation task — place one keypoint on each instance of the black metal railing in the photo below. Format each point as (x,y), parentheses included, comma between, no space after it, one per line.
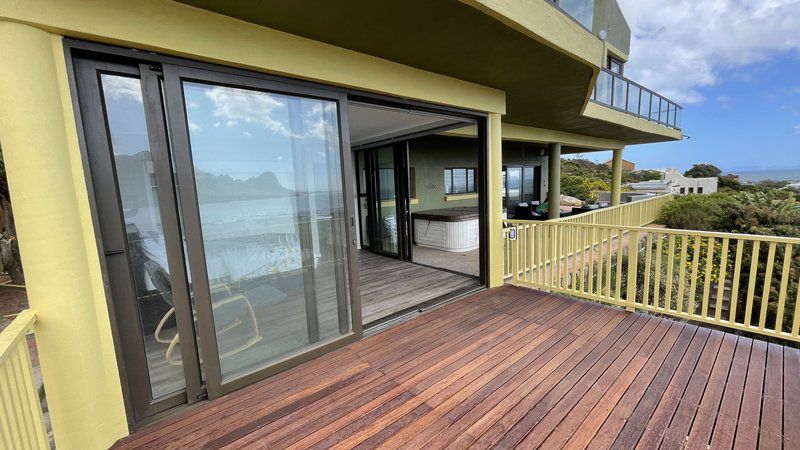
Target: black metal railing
(622,94)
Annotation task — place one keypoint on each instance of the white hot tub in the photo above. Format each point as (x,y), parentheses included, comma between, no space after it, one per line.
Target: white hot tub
(449,229)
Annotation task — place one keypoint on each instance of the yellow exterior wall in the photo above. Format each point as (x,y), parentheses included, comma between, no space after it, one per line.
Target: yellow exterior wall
(181,30)
(495,201)
(57,241)
(522,133)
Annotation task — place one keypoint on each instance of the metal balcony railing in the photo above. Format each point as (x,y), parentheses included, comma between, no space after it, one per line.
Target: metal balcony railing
(622,94)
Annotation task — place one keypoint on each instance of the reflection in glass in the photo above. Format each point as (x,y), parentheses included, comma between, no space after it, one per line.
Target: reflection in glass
(268,178)
(620,93)
(654,105)
(386,237)
(514,180)
(138,193)
(580,10)
(644,104)
(603,88)
(633,98)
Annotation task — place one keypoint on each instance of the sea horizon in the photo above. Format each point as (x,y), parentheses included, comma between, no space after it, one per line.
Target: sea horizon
(792,175)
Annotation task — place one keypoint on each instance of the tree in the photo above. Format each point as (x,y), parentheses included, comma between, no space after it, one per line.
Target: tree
(703,171)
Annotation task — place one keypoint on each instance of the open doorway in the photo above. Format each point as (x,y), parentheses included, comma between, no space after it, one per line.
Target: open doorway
(417,188)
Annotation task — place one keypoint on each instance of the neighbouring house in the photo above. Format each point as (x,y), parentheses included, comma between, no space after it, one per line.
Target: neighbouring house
(210,194)
(627,166)
(672,182)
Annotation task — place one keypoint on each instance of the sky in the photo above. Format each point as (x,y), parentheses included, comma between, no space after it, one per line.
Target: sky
(734,65)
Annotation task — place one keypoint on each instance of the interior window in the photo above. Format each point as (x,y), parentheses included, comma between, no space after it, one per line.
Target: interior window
(459,180)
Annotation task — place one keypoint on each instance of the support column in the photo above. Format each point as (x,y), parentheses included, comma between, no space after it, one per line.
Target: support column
(57,241)
(616,177)
(554,180)
(495,180)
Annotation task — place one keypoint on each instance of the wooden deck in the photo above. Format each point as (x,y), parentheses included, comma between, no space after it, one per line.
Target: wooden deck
(389,285)
(514,367)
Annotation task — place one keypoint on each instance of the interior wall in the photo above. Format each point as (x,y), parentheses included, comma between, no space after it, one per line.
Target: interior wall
(429,156)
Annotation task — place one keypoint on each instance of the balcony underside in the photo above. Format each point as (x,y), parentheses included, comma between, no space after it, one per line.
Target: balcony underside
(514,366)
(545,87)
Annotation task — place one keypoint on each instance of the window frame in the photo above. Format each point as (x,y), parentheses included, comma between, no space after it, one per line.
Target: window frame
(448,171)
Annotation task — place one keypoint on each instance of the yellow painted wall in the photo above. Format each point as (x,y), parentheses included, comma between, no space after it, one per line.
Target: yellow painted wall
(57,241)
(522,133)
(495,201)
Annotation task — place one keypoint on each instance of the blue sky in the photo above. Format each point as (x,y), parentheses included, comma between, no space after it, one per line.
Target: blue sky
(735,67)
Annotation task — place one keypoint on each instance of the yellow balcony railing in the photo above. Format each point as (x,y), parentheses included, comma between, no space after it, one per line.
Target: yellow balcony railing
(21,420)
(634,214)
(736,281)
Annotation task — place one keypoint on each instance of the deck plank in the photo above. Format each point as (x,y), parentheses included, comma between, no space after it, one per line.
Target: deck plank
(513,367)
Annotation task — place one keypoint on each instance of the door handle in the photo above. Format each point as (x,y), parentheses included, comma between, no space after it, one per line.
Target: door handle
(114,252)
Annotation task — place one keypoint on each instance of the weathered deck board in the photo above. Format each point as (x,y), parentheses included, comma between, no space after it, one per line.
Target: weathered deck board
(513,367)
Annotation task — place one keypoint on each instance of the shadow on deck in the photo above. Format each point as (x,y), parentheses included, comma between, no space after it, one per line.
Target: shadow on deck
(508,367)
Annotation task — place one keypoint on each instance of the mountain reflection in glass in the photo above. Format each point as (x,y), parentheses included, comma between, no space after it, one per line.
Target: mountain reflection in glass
(269,187)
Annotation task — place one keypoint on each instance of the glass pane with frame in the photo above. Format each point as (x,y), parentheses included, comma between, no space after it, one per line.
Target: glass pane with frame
(138,193)
(267,172)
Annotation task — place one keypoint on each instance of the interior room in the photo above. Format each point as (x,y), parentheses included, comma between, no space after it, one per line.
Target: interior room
(418,198)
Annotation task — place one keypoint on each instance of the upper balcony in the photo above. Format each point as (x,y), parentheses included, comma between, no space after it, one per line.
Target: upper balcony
(617,92)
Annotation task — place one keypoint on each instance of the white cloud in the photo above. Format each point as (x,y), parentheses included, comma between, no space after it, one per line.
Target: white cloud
(797,129)
(117,87)
(194,127)
(680,46)
(271,112)
(247,134)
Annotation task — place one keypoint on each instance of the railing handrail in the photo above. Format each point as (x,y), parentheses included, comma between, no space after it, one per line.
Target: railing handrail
(613,208)
(22,423)
(629,81)
(16,332)
(677,232)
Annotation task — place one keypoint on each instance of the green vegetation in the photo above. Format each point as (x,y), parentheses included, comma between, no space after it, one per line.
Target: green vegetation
(703,171)
(583,179)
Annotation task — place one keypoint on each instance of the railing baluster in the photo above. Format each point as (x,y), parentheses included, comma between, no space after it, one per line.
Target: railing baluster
(787,266)
(670,266)
(682,274)
(751,286)
(592,241)
(647,263)
(762,318)
(657,268)
(737,272)
(608,263)
(707,278)
(618,285)
(633,261)
(691,307)
(723,273)
(600,256)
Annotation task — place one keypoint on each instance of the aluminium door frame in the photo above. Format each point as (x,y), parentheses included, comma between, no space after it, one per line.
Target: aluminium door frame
(109,223)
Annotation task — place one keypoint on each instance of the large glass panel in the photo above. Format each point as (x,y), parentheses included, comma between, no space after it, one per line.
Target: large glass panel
(603,87)
(138,193)
(514,185)
(385,238)
(654,105)
(459,181)
(580,10)
(633,99)
(528,179)
(620,93)
(678,117)
(268,176)
(644,104)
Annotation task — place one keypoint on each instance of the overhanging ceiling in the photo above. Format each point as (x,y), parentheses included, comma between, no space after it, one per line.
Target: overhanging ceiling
(545,88)
(370,124)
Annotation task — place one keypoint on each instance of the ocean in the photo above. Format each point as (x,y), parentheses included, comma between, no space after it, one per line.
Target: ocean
(761,175)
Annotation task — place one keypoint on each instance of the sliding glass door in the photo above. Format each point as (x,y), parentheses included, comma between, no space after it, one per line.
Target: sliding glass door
(222,207)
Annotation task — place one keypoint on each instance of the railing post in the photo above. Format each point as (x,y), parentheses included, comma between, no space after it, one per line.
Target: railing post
(633,262)
(514,249)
